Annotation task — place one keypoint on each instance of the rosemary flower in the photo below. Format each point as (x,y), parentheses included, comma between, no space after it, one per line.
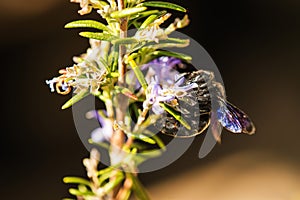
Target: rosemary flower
(86,74)
(86,8)
(87,5)
(105,10)
(153,32)
(164,84)
(105,131)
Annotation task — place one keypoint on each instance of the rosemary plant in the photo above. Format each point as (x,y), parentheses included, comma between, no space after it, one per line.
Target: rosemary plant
(135,79)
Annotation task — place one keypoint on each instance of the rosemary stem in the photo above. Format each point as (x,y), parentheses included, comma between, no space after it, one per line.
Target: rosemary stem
(117,140)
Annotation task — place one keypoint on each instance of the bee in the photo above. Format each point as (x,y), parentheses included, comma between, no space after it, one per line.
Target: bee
(196,110)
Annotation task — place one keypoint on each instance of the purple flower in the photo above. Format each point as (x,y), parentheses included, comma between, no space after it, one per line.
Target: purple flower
(163,68)
(105,131)
(164,84)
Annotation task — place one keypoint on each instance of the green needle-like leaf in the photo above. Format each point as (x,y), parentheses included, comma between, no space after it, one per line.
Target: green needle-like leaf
(151,18)
(148,21)
(100,144)
(127,12)
(97,36)
(114,58)
(144,14)
(76,192)
(181,56)
(138,72)
(113,183)
(104,177)
(75,99)
(138,188)
(162,4)
(124,41)
(76,180)
(176,115)
(105,170)
(134,19)
(158,141)
(142,138)
(168,43)
(87,24)
(146,155)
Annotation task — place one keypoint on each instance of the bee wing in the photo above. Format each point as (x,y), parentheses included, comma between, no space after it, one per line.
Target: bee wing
(234,119)
(247,124)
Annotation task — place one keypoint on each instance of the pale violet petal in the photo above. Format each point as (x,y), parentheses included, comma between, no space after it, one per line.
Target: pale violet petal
(97,135)
(179,80)
(107,132)
(165,98)
(187,87)
(157,109)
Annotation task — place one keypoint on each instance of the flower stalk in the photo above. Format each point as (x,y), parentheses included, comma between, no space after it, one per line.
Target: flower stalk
(118,138)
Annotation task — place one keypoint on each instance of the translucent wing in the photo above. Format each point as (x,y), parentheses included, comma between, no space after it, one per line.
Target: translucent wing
(234,119)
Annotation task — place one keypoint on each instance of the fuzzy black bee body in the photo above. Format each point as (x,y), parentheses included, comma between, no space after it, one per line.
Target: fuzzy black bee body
(196,109)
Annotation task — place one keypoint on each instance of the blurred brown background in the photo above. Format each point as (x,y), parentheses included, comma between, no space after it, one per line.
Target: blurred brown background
(254,43)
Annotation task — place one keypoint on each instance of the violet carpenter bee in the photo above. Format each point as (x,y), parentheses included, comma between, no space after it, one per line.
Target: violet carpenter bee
(196,109)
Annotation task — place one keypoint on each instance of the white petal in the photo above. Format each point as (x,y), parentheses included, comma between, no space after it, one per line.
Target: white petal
(97,135)
(157,109)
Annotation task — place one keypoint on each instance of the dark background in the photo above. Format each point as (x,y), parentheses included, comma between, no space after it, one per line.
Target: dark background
(254,43)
